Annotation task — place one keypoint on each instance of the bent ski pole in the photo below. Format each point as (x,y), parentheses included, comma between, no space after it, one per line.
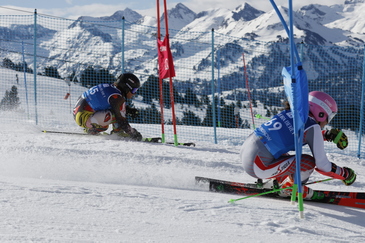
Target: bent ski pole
(259,194)
(276,190)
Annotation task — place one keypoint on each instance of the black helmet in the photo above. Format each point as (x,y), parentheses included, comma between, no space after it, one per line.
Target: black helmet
(128,82)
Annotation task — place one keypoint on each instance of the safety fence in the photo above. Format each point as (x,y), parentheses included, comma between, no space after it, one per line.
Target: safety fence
(225,86)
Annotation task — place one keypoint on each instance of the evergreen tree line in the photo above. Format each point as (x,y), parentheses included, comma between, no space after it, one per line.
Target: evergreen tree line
(150,92)
(21,66)
(88,78)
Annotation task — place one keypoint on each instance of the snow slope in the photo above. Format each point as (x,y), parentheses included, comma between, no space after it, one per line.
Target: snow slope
(74,188)
(71,188)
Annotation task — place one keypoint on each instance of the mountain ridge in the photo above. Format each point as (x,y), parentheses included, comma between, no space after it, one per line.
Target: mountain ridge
(96,42)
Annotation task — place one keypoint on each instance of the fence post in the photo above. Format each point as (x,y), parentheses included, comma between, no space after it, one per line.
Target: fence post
(213,91)
(219,88)
(25,79)
(361,106)
(122,64)
(35,66)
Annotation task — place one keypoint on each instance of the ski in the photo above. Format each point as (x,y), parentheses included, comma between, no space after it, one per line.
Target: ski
(159,140)
(148,140)
(183,144)
(152,140)
(348,199)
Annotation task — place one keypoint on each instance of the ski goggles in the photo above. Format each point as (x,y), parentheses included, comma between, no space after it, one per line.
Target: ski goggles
(134,90)
(331,116)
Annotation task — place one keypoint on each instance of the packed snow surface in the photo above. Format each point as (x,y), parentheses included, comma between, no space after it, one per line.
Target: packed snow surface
(74,188)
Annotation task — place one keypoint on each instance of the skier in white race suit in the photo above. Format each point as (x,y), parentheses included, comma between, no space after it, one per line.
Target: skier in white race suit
(264,153)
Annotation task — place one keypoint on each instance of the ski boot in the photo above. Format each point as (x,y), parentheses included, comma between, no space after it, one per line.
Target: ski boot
(308,193)
(270,184)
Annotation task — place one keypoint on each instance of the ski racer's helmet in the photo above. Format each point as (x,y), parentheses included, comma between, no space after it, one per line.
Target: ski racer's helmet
(322,106)
(128,82)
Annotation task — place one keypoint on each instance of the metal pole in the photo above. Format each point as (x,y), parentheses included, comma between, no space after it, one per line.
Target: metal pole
(213,91)
(361,107)
(171,84)
(298,131)
(25,79)
(219,90)
(160,81)
(35,66)
(122,65)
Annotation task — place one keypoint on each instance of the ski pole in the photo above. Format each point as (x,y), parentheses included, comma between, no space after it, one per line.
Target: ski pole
(314,182)
(276,190)
(260,194)
(69,133)
(260,116)
(148,140)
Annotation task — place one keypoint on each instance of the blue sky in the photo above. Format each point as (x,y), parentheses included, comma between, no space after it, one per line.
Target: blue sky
(74,8)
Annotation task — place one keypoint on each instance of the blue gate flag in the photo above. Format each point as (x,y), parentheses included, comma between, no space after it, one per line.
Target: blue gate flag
(296,89)
(297,93)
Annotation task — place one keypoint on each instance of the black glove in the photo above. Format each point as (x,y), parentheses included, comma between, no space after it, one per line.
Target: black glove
(135,135)
(350,176)
(336,136)
(133,112)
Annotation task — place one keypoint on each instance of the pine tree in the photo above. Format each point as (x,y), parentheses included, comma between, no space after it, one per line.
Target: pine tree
(7,63)
(190,119)
(150,115)
(104,76)
(51,72)
(191,98)
(205,100)
(150,89)
(10,100)
(89,77)
(208,119)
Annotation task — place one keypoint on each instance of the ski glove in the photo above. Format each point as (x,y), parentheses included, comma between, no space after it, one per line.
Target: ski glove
(336,136)
(133,112)
(350,176)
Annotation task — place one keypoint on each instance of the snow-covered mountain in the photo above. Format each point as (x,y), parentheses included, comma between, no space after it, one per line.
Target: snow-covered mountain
(178,17)
(312,23)
(96,42)
(320,22)
(129,14)
(246,12)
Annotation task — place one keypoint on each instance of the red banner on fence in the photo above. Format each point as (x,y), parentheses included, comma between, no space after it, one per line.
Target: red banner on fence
(165,62)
